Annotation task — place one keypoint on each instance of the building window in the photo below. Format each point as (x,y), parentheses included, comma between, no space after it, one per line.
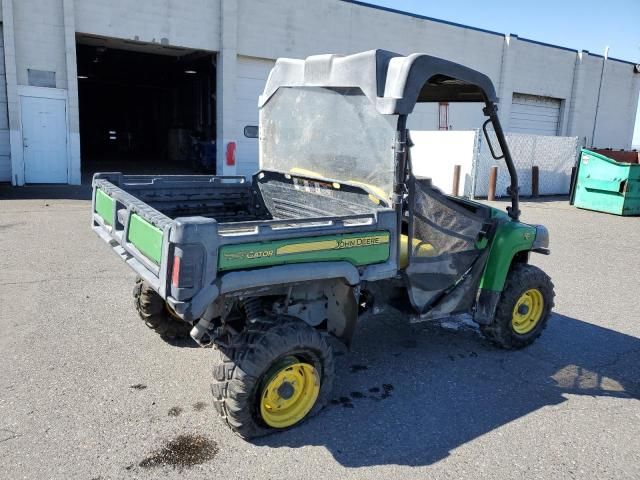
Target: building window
(251,131)
(41,78)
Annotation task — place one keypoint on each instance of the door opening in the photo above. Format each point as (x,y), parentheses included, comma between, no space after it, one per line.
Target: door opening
(145,108)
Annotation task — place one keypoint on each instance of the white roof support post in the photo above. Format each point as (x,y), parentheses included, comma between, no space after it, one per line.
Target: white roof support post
(73,113)
(505,85)
(13,102)
(226,65)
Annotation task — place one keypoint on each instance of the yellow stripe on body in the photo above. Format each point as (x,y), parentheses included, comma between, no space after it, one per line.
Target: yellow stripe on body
(332,244)
(307,247)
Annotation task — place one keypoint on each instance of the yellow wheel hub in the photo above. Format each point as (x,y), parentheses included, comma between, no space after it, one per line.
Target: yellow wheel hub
(528,311)
(289,393)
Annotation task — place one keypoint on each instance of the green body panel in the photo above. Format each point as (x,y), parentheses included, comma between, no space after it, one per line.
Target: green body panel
(356,248)
(104,206)
(605,185)
(510,238)
(145,237)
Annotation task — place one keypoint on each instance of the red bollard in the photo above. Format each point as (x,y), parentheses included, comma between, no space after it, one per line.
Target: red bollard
(456,180)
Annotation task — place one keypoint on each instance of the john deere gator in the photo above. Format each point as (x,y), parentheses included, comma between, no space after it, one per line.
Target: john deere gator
(334,227)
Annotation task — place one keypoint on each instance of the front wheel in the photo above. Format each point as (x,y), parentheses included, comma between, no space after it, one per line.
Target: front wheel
(523,310)
(275,374)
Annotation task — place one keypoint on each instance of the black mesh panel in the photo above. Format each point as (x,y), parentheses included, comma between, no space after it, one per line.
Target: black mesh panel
(444,252)
(297,197)
(448,227)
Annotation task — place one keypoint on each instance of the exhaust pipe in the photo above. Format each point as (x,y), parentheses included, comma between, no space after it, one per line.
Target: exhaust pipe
(200,331)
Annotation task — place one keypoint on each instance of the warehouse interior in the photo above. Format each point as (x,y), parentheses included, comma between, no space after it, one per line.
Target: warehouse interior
(145,108)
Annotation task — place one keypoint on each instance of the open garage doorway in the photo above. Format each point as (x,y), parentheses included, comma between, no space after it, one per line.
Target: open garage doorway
(145,108)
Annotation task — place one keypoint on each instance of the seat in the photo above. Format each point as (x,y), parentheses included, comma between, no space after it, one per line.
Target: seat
(420,249)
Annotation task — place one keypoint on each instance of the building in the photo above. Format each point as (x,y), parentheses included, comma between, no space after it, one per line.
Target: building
(126,83)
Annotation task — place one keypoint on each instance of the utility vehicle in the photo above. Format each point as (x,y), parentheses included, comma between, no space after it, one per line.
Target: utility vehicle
(332,226)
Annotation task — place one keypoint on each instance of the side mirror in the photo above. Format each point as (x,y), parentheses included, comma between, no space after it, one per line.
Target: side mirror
(251,131)
(488,138)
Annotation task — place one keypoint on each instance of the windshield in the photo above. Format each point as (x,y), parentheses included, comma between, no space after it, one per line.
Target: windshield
(333,133)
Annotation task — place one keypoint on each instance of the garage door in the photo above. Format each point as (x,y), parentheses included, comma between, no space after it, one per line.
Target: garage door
(534,114)
(252,75)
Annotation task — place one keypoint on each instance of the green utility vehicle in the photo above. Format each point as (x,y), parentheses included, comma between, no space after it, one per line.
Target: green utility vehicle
(332,228)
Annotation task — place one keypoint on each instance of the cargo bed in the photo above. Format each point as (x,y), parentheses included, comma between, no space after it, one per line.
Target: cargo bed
(194,237)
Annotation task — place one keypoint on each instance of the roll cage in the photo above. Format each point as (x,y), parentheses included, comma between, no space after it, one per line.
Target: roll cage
(394,84)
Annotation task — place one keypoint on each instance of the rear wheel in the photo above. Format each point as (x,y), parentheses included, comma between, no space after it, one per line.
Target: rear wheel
(156,314)
(273,376)
(524,308)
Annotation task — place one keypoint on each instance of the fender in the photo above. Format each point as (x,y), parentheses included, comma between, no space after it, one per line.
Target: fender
(510,239)
(264,277)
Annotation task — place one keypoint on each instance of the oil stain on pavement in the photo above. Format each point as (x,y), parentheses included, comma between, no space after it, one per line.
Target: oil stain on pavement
(174,411)
(182,452)
(375,393)
(199,406)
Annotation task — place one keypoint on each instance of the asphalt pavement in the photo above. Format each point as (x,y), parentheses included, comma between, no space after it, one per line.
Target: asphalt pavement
(88,392)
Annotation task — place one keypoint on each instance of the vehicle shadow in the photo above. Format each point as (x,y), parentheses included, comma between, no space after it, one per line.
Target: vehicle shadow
(46,192)
(186,342)
(410,394)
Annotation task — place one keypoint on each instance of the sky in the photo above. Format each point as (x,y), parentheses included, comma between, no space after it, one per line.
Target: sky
(578,24)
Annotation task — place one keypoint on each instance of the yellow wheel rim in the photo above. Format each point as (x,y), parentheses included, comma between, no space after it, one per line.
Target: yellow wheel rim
(528,311)
(289,393)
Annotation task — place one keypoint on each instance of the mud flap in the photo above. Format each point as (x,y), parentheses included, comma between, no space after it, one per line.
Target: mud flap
(342,310)
(486,305)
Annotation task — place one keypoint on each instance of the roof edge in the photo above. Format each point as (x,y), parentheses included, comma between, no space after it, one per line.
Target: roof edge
(421,17)
(477,29)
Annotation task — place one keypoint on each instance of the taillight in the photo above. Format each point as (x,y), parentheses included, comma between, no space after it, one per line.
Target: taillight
(175,271)
(186,270)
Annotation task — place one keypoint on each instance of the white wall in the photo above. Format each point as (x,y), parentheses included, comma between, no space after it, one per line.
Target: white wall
(434,155)
(272,29)
(618,104)
(543,71)
(39,39)
(587,80)
(192,24)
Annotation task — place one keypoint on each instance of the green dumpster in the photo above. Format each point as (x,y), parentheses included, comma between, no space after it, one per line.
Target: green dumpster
(604,185)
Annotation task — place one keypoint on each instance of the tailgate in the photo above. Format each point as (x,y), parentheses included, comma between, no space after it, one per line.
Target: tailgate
(136,232)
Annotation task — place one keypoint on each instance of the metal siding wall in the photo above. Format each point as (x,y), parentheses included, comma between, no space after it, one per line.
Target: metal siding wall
(5,146)
(534,114)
